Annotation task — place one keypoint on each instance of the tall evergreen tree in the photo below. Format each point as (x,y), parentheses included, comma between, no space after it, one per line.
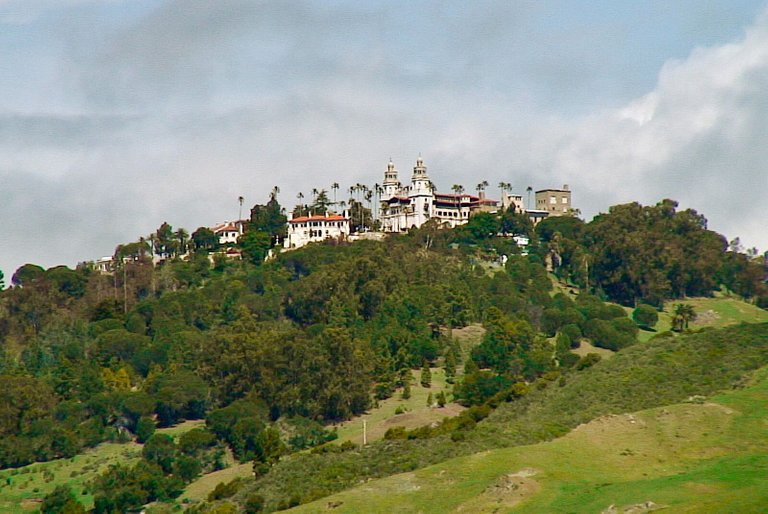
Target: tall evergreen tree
(426,375)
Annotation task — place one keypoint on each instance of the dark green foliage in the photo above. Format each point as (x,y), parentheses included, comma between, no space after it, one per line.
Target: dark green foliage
(567,227)
(645,316)
(186,468)
(122,488)
(254,504)
(506,347)
(307,338)
(744,276)
(161,450)
(270,220)
(196,440)
(612,335)
(27,274)
(269,447)
(255,245)
(478,386)
(573,332)
(683,314)
(61,501)
(145,428)
(225,490)
(395,433)
(653,253)
(426,375)
(588,360)
(480,227)
(406,392)
(204,240)
(222,421)
(180,395)
(306,433)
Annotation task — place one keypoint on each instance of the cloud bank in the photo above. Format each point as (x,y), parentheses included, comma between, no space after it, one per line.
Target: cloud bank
(123,115)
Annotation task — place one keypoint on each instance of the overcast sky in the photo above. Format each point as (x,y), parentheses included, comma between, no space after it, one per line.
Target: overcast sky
(118,115)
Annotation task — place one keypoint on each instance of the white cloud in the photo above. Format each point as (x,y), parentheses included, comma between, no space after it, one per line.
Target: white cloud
(698,137)
(269,97)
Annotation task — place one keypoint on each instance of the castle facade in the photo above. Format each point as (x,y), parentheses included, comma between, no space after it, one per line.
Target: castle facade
(410,206)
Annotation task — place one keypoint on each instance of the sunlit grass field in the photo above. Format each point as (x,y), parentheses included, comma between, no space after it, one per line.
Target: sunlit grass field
(708,456)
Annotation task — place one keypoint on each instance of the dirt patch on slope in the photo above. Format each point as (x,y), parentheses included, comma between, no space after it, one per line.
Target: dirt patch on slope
(585,347)
(506,492)
(470,335)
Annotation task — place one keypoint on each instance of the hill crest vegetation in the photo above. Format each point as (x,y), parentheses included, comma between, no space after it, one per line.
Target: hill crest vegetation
(269,353)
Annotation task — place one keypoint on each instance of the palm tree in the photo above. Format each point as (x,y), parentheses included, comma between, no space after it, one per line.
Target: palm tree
(335,188)
(240,199)
(378,191)
(458,189)
(481,187)
(182,236)
(504,187)
(529,189)
(683,314)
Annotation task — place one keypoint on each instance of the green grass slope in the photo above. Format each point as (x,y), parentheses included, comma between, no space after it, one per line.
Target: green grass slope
(716,312)
(23,489)
(687,457)
(660,372)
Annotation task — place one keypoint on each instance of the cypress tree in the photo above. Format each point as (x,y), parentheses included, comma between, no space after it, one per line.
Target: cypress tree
(426,375)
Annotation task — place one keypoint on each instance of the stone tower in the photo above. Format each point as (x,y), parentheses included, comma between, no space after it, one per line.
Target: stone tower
(391,184)
(420,193)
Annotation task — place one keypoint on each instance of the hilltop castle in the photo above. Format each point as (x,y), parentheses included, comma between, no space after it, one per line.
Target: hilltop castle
(406,206)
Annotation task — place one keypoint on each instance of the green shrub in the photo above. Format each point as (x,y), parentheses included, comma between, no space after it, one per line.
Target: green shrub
(645,316)
(395,433)
(145,428)
(588,360)
(225,490)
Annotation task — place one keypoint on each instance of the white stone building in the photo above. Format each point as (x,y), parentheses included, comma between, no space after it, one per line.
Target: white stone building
(310,229)
(229,232)
(404,207)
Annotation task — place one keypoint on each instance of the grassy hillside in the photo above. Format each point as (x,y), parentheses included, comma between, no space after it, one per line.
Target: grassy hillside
(23,488)
(662,372)
(716,312)
(378,420)
(688,457)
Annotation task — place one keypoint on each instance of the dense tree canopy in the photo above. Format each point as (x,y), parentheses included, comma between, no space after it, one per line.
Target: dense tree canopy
(267,352)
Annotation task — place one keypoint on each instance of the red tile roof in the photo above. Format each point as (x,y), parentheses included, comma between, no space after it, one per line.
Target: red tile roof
(303,219)
(225,227)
